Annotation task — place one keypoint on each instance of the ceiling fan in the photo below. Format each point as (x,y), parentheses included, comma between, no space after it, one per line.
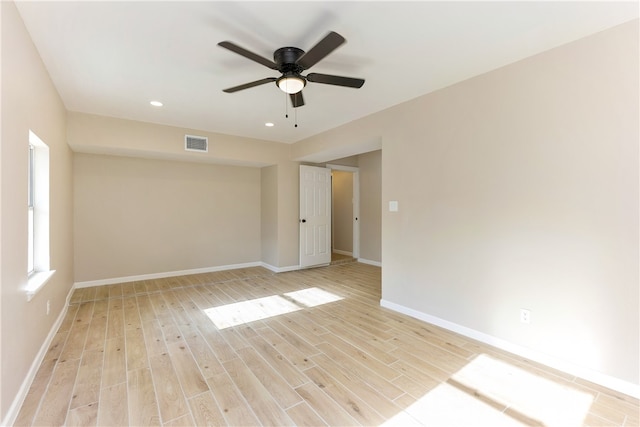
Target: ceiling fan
(291,62)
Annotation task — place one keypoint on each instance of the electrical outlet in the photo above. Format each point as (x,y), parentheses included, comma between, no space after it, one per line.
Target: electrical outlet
(525,315)
(48,307)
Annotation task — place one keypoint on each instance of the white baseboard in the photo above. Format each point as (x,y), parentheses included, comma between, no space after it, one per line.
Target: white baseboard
(14,409)
(368,261)
(591,375)
(163,275)
(338,251)
(280,269)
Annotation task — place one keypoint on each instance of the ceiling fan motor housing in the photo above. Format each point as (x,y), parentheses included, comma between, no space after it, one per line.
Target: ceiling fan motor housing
(286,58)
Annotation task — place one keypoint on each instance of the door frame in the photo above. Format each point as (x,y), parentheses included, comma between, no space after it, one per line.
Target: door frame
(356,204)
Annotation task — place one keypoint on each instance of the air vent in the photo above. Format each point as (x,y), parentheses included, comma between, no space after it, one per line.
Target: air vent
(196,143)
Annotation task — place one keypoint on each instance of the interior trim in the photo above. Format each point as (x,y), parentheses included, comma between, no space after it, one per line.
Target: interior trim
(116,280)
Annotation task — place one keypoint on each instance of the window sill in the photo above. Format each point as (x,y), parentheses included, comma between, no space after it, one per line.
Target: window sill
(37,281)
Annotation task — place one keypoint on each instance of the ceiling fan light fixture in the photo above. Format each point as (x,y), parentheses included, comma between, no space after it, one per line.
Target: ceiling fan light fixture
(291,83)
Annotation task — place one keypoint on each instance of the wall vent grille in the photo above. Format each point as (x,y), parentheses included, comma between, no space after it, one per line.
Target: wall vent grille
(196,143)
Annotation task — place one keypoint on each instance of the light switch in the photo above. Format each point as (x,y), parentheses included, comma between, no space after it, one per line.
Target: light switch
(393,206)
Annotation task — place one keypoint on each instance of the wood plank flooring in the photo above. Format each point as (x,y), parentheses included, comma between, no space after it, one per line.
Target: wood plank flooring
(306,348)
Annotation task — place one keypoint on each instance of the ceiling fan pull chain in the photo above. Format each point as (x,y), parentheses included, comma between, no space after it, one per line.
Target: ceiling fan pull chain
(286,107)
(295,115)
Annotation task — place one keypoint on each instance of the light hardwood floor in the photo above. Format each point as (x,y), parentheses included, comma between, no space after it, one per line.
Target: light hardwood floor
(309,347)
(337,258)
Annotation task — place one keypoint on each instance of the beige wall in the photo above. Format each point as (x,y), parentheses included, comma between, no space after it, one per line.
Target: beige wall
(342,211)
(269,214)
(90,134)
(93,134)
(345,161)
(288,213)
(360,136)
(29,102)
(370,219)
(139,216)
(519,189)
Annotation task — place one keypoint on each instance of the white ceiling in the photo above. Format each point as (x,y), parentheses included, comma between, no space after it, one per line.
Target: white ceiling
(112,58)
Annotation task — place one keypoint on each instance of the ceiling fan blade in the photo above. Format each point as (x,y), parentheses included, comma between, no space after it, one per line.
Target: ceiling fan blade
(296,99)
(320,50)
(247,54)
(335,80)
(248,85)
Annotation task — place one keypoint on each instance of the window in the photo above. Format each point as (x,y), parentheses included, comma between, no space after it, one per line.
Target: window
(38,267)
(30,193)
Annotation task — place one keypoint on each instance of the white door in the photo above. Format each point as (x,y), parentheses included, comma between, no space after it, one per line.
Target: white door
(315,216)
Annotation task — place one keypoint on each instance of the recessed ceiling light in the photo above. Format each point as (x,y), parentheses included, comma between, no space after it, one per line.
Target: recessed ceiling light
(156,103)
(269,124)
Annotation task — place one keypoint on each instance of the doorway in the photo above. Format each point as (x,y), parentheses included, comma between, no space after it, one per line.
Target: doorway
(317,214)
(345,211)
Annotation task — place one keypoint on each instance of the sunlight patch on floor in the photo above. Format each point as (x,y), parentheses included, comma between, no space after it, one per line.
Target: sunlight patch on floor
(447,405)
(490,392)
(239,313)
(547,402)
(312,297)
